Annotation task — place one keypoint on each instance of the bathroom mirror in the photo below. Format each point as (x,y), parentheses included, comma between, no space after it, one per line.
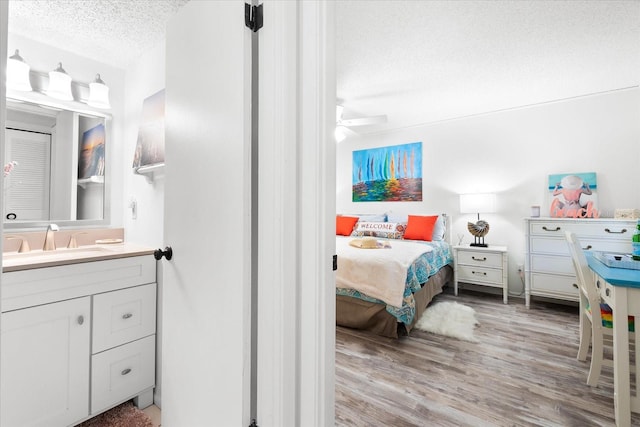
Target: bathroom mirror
(55,166)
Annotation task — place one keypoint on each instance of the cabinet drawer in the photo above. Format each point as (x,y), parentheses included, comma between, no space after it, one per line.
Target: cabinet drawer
(619,230)
(557,246)
(471,274)
(123,316)
(481,259)
(554,286)
(552,264)
(122,372)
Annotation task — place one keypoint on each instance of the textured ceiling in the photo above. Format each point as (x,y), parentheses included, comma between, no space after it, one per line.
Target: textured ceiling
(417,62)
(426,61)
(122,29)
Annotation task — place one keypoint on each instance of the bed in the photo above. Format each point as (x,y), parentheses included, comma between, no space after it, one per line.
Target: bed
(386,290)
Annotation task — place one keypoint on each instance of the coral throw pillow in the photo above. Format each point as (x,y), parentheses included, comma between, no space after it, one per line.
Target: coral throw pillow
(345,224)
(420,227)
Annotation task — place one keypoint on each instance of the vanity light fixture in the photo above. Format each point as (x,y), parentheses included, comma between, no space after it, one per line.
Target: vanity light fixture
(18,73)
(60,84)
(98,94)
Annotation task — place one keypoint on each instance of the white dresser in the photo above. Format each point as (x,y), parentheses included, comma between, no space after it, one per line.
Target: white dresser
(548,267)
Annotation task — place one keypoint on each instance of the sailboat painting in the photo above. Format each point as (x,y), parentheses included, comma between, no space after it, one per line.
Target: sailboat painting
(388,174)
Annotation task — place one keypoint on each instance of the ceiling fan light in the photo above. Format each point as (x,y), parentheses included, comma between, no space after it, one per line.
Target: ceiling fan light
(18,73)
(60,84)
(98,94)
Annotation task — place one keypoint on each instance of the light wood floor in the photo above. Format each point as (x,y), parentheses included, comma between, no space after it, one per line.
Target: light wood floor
(524,372)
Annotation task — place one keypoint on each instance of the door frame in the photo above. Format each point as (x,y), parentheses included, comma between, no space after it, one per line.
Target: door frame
(296,208)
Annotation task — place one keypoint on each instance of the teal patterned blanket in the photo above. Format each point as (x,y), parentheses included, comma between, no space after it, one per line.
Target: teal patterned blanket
(425,266)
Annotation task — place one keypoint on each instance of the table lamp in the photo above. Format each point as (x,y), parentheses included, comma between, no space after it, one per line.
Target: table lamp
(478,203)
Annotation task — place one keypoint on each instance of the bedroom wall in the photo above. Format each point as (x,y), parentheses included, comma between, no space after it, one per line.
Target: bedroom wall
(512,153)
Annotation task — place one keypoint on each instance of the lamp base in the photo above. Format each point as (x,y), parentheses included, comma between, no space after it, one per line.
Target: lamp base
(479,245)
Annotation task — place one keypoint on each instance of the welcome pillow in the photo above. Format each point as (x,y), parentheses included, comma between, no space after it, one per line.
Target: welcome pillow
(387,230)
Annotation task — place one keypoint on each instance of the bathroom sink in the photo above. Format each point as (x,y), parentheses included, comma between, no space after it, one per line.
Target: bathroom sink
(39,258)
(56,254)
(15,261)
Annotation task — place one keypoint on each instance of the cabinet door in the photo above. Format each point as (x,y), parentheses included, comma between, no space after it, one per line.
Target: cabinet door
(45,364)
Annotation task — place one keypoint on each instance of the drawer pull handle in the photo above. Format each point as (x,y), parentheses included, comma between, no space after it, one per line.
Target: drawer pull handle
(544,227)
(125,371)
(480,273)
(607,292)
(127,315)
(587,248)
(80,320)
(624,230)
(598,284)
(575,285)
(478,259)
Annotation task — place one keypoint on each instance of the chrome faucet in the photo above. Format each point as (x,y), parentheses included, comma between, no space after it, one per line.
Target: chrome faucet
(49,239)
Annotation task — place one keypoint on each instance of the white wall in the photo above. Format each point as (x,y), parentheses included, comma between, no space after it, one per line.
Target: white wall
(143,79)
(512,153)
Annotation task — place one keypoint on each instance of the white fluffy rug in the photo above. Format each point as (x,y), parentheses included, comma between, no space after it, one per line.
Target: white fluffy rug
(450,319)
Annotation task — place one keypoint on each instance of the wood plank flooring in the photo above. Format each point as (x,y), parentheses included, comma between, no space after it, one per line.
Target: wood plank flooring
(524,372)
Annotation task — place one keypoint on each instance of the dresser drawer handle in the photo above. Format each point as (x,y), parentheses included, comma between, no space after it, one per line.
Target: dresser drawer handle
(575,285)
(478,259)
(587,248)
(607,292)
(598,284)
(480,273)
(544,227)
(80,320)
(127,315)
(624,230)
(125,371)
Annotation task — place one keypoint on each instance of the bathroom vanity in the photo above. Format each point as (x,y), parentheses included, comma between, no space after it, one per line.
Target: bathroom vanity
(78,333)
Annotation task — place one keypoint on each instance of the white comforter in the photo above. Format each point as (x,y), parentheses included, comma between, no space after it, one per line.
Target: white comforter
(379,273)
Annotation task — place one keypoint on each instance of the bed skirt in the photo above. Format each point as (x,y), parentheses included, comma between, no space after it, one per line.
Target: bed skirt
(373,317)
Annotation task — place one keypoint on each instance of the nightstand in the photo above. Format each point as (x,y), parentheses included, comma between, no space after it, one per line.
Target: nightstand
(481,266)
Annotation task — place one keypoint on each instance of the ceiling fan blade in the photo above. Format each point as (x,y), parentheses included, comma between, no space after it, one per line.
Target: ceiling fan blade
(363,121)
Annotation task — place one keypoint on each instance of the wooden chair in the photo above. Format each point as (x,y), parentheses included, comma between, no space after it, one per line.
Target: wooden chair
(594,331)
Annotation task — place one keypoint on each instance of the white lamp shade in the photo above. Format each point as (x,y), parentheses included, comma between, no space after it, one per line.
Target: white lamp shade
(60,84)
(478,203)
(98,94)
(18,73)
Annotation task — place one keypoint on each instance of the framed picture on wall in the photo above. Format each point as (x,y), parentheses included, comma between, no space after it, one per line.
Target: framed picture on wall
(150,144)
(91,159)
(388,174)
(573,195)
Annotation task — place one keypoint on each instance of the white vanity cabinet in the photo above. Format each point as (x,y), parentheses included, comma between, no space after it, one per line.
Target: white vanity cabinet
(548,267)
(77,340)
(44,364)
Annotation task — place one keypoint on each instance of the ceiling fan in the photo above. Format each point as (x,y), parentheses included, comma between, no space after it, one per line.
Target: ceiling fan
(343,126)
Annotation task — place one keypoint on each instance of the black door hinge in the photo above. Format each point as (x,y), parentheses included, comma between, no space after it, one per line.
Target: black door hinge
(253,423)
(335,262)
(253,17)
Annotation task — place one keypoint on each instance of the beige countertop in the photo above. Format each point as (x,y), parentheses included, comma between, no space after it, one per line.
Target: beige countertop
(14,261)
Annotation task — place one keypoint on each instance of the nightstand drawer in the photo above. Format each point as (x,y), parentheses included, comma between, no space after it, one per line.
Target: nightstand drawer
(123,316)
(481,259)
(468,273)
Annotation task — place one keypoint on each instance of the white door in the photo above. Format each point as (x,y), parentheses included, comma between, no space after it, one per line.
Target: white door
(45,364)
(205,343)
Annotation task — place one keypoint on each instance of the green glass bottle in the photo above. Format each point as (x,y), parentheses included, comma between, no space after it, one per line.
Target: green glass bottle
(635,241)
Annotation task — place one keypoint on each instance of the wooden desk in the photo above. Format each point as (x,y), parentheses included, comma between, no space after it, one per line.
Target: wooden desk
(620,288)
